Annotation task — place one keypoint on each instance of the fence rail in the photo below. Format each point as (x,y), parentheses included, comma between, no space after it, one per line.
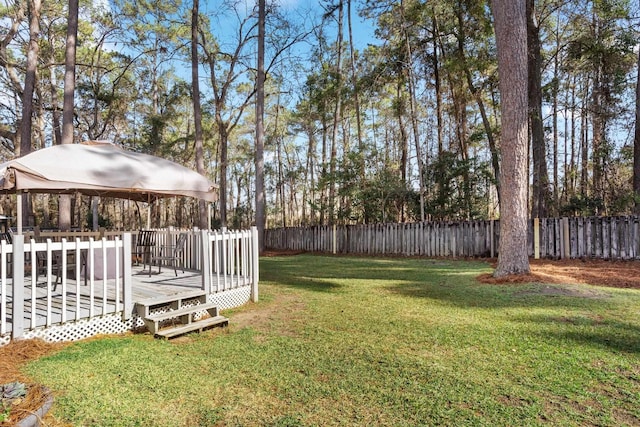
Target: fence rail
(589,237)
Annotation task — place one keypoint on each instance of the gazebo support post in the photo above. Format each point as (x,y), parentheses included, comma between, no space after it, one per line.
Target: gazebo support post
(19,212)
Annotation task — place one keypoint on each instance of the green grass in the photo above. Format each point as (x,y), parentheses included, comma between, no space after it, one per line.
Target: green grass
(355,341)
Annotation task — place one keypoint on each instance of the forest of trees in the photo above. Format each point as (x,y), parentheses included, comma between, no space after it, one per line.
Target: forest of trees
(401,126)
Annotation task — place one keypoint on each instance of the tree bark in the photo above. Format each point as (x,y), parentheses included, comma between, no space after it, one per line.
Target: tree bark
(337,113)
(203,217)
(27,96)
(356,92)
(636,145)
(64,206)
(540,190)
(511,40)
(261,218)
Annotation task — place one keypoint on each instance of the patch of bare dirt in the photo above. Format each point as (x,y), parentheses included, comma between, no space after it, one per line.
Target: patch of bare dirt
(264,318)
(615,274)
(272,253)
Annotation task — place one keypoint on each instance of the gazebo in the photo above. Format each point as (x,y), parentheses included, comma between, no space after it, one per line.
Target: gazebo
(100,168)
(101,290)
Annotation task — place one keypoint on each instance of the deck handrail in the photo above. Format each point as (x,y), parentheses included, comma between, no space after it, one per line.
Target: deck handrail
(231,257)
(31,259)
(39,297)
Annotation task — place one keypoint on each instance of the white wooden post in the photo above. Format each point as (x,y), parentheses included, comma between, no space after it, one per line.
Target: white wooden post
(127,294)
(206,261)
(19,213)
(255,268)
(333,240)
(17,316)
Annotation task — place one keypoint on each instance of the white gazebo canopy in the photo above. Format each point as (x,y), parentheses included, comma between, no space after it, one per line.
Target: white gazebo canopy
(100,168)
(103,169)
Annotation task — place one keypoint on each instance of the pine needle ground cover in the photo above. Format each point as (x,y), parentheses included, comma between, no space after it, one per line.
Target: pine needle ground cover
(360,341)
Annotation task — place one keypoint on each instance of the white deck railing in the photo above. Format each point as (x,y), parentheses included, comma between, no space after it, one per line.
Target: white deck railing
(42,284)
(233,261)
(41,291)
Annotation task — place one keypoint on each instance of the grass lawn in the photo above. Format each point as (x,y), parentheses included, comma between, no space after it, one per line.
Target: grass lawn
(360,341)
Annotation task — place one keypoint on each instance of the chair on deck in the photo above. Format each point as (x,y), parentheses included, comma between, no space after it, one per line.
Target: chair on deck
(145,242)
(6,236)
(171,254)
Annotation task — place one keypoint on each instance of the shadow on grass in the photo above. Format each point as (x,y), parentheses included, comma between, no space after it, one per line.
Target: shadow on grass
(592,331)
(447,281)
(475,295)
(453,283)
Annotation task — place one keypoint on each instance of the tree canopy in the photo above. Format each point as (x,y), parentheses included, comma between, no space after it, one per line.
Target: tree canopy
(374,111)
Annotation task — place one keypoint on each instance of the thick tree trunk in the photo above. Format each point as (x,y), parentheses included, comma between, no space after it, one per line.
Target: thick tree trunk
(511,40)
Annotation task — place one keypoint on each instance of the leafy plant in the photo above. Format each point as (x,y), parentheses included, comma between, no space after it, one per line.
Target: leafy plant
(9,394)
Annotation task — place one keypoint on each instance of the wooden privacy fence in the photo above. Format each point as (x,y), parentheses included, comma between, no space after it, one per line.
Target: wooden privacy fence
(590,237)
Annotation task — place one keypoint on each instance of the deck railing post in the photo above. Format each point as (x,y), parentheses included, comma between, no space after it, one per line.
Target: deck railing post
(17,317)
(206,261)
(255,273)
(127,293)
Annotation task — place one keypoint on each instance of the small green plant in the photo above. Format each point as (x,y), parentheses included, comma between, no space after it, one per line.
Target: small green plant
(10,394)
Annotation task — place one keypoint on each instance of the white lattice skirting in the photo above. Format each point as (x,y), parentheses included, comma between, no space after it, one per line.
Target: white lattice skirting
(113,324)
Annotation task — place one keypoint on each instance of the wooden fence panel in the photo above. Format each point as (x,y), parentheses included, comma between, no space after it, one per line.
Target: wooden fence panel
(588,237)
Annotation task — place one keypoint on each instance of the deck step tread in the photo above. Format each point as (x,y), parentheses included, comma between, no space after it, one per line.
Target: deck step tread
(167,299)
(158,317)
(191,327)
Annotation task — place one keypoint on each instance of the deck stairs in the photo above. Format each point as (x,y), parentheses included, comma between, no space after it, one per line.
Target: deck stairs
(172,315)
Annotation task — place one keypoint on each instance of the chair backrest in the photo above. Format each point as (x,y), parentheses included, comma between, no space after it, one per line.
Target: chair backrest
(180,243)
(7,237)
(146,238)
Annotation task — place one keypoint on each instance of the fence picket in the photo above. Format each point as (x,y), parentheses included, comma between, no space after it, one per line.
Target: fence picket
(579,237)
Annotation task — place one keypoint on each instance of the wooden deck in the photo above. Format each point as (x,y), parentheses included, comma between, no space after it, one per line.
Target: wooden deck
(143,287)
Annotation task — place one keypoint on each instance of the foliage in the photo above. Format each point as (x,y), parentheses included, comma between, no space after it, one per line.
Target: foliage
(421,93)
(10,393)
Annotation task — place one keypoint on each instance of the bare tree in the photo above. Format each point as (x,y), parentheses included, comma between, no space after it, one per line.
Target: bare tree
(27,95)
(636,145)
(511,40)
(540,189)
(64,206)
(197,112)
(260,199)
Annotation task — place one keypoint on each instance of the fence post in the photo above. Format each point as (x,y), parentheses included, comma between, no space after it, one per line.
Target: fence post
(256,265)
(333,240)
(567,244)
(536,238)
(17,316)
(206,261)
(127,293)
(492,242)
